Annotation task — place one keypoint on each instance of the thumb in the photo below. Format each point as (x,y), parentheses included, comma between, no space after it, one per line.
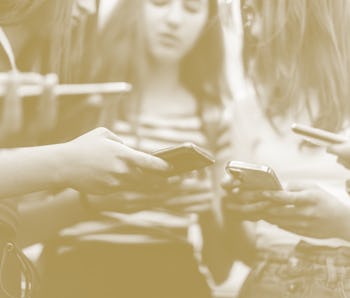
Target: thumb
(344,162)
(342,150)
(147,161)
(299,186)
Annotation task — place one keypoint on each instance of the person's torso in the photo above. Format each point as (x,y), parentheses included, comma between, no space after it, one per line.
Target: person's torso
(260,143)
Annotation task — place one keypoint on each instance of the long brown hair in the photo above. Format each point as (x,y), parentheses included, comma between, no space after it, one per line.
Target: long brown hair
(124,53)
(16,11)
(303,47)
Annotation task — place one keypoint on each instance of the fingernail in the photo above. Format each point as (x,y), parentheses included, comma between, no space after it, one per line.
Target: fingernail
(235,191)
(170,167)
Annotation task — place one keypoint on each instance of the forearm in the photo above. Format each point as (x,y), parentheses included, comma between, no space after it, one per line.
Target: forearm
(25,170)
(43,218)
(344,226)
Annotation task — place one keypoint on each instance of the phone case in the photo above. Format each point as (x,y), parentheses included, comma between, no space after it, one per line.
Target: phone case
(254,176)
(185,158)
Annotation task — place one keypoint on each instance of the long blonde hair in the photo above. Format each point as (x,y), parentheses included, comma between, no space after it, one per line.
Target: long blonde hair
(15,11)
(303,46)
(124,51)
(50,34)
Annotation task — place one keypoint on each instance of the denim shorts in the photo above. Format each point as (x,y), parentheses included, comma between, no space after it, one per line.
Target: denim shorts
(306,271)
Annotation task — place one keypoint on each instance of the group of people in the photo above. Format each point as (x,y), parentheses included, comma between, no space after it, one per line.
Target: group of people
(113,224)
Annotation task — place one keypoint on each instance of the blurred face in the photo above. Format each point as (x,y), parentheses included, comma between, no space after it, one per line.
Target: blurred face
(172,27)
(82,9)
(251,18)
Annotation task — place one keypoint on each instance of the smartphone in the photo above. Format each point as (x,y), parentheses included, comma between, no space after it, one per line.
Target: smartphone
(318,136)
(73,89)
(185,158)
(254,176)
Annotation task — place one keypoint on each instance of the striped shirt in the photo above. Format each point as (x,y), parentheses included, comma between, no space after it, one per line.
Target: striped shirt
(154,133)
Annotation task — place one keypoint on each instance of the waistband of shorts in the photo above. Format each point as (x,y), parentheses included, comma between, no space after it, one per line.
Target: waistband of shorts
(303,251)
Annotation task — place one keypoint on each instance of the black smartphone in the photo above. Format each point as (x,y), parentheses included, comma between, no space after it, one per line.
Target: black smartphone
(185,158)
(318,136)
(254,176)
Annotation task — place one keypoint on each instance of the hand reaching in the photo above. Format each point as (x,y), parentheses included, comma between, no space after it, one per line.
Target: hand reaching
(98,163)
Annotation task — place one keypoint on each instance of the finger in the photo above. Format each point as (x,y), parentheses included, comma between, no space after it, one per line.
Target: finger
(290,224)
(341,150)
(285,211)
(248,208)
(124,180)
(245,197)
(288,197)
(151,180)
(198,208)
(175,180)
(344,162)
(231,183)
(226,180)
(195,182)
(190,199)
(191,186)
(299,186)
(122,200)
(132,196)
(295,227)
(147,161)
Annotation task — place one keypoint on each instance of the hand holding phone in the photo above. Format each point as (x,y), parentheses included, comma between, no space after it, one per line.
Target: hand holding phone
(249,203)
(318,136)
(185,158)
(342,151)
(254,177)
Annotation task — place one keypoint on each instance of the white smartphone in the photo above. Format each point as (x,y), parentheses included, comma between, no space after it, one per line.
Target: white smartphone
(318,136)
(185,158)
(73,89)
(254,176)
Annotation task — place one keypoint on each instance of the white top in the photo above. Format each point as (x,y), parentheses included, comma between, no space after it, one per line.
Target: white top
(256,141)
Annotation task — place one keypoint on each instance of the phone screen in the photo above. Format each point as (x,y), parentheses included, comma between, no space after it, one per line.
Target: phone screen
(185,158)
(253,176)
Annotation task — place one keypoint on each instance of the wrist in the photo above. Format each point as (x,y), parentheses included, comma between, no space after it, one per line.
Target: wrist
(53,162)
(344,227)
(65,164)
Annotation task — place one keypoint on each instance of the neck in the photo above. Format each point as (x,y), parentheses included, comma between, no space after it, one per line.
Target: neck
(162,78)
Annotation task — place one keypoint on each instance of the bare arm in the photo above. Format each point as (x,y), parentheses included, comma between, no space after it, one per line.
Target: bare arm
(42,218)
(342,151)
(25,170)
(95,163)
